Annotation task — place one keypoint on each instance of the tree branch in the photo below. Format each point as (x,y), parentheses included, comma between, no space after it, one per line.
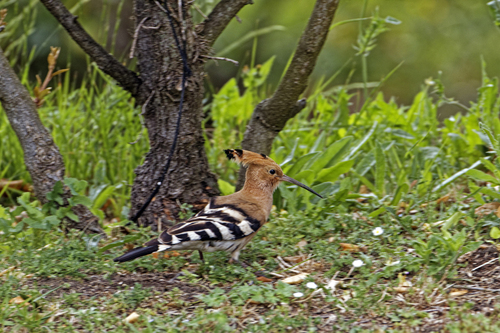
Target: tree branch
(270,115)
(41,155)
(106,62)
(220,17)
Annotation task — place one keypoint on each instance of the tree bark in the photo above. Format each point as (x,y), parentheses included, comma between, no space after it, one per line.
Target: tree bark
(271,115)
(41,155)
(160,65)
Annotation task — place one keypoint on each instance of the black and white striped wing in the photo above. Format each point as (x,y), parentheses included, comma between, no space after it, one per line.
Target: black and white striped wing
(214,223)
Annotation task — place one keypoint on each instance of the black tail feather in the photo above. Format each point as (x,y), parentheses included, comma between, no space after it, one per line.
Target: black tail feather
(137,252)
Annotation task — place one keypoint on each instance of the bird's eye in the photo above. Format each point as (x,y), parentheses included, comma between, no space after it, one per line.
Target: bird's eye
(272,171)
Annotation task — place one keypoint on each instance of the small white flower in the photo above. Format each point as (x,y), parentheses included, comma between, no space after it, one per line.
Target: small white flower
(299,294)
(358,263)
(392,263)
(377,231)
(311,285)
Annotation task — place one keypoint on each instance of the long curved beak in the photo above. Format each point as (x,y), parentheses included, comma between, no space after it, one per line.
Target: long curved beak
(293,181)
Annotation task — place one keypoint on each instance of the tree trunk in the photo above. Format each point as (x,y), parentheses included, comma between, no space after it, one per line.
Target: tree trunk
(41,155)
(160,65)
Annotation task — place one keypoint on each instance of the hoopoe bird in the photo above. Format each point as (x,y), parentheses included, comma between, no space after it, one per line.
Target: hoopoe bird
(228,222)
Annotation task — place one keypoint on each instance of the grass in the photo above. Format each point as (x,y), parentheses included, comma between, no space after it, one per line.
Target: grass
(71,286)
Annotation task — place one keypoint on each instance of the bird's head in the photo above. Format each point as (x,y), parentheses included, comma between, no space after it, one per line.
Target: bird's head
(262,171)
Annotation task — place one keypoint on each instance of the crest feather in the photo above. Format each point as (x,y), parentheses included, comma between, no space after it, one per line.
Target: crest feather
(246,157)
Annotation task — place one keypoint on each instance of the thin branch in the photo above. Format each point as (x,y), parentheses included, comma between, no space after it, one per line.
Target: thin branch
(220,17)
(296,77)
(136,34)
(221,58)
(198,9)
(106,62)
(477,288)
(283,105)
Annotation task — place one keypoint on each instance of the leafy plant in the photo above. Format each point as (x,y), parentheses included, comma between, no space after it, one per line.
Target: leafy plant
(38,222)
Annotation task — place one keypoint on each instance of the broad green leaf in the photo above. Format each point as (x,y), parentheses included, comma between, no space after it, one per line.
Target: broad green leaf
(72,216)
(377,212)
(52,220)
(103,196)
(366,182)
(297,166)
(291,154)
(320,141)
(18,227)
(451,221)
(306,176)
(32,211)
(333,173)
(56,193)
(476,192)
(2,212)
(34,223)
(80,200)
(400,133)
(75,185)
(481,176)
(402,189)
(365,164)
(225,187)
(325,189)
(429,153)
(362,141)
(490,166)
(333,154)
(456,175)
(495,233)
(492,193)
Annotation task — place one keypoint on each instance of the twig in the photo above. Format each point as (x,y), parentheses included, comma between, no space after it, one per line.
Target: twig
(136,34)
(220,17)
(106,62)
(221,58)
(383,295)
(277,275)
(198,9)
(143,109)
(477,288)
(152,28)
(486,263)
(181,19)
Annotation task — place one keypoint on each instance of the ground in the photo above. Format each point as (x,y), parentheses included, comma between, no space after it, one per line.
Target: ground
(473,290)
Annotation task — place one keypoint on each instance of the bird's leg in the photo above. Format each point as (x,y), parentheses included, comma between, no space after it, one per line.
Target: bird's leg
(201,256)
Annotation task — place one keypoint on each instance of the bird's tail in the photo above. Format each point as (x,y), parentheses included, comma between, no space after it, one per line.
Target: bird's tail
(137,252)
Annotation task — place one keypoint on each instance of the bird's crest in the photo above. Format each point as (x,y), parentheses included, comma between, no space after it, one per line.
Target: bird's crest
(246,157)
